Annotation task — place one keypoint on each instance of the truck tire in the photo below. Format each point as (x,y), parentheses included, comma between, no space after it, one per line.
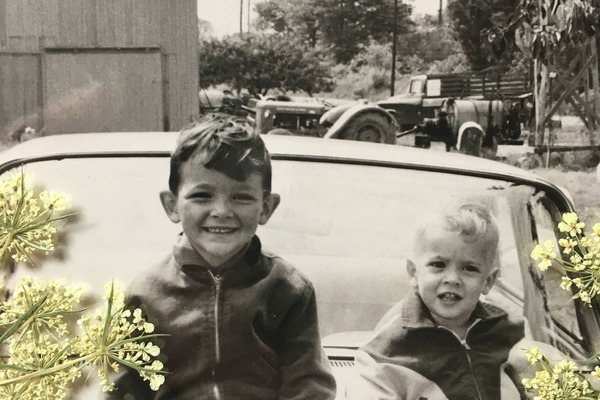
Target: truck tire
(370,127)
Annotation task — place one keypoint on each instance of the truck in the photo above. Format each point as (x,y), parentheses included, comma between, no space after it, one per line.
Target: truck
(471,112)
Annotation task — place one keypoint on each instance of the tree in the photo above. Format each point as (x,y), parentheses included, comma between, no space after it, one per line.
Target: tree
(342,27)
(429,43)
(471,18)
(540,27)
(549,31)
(205,29)
(261,62)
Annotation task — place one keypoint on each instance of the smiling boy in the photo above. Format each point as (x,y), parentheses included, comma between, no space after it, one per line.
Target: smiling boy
(242,322)
(441,341)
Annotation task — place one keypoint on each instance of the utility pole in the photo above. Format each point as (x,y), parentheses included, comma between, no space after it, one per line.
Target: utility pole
(241,15)
(394,40)
(440,17)
(248,27)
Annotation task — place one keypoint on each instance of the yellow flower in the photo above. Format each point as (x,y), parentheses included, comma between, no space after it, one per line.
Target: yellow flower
(533,355)
(25,227)
(596,229)
(544,252)
(570,224)
(567,244)
(566,283)
(45,353)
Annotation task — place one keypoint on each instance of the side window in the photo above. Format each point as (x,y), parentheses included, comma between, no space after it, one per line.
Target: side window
(561,307)
(416,86)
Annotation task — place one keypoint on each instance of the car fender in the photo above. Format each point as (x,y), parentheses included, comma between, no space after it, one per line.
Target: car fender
(353,112)
(464,144)
(330,117)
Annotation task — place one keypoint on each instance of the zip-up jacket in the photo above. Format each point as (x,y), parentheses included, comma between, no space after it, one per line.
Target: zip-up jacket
(411,357)
(247,330)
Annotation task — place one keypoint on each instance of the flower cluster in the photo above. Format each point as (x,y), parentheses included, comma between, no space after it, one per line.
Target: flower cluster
(27,220)
(112,331)
(561,381)
(582,257)
(564,380)
(43,348)
(46,353)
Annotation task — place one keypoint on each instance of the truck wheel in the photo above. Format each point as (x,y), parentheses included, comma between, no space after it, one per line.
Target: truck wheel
(370,127)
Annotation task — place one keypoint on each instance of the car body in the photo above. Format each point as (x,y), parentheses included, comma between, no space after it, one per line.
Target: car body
(346,220)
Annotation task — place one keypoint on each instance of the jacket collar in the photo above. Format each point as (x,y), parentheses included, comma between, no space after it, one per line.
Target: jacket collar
(416,315)
(194,265)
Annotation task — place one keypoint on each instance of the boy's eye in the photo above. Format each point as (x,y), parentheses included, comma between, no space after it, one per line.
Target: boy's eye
(244,197)
(471,268)
(437,264)
(200,196)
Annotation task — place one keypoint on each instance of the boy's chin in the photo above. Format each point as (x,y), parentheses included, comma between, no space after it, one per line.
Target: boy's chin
(219,256)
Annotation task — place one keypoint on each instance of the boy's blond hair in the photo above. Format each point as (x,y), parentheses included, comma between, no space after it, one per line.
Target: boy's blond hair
(472,221)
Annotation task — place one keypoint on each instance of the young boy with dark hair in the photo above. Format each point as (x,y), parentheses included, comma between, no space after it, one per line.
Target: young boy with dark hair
(242,323)
(441,341)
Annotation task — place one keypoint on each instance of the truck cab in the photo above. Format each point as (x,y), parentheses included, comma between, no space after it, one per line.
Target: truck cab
(489,103)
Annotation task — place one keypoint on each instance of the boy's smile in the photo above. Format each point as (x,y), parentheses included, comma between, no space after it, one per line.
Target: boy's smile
(218,214)
(450,275)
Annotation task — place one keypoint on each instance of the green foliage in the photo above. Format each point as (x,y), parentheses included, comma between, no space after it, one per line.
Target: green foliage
(427,48)
(42,352)
(45,353)
(343,27)
(539,28)
(262,62)
(205,29)
(472,17)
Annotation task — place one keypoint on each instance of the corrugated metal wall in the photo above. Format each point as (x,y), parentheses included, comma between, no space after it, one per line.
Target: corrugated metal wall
(149,47)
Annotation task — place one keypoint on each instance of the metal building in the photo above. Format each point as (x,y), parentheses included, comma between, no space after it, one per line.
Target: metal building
(97,65)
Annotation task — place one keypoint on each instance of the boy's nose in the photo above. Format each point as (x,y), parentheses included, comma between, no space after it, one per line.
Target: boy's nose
(221,208)
(452,276)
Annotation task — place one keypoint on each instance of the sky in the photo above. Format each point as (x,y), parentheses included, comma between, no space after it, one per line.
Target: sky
(224,15)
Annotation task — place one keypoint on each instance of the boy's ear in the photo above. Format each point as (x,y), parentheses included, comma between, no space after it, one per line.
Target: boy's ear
(270,203)
(169,203)
(412,272)
(490,280)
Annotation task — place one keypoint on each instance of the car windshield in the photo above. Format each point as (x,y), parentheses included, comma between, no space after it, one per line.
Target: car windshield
(348,227)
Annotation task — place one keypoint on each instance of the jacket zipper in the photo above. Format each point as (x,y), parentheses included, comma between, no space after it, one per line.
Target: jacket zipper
(218,280)
(467,348)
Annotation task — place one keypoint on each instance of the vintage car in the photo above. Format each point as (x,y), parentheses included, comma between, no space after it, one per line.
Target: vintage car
(346,220)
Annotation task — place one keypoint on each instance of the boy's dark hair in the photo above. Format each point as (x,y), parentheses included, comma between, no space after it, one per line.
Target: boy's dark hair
(222,143)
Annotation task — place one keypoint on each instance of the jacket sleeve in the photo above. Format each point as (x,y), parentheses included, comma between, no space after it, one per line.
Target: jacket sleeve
(130,386)
(517,361)
(388,381)
(371,381)
(305,369)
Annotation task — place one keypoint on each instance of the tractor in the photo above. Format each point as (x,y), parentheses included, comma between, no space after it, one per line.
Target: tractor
(354,121)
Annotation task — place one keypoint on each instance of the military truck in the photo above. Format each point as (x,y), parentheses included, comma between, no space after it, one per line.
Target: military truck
(494,105)
(469,111)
